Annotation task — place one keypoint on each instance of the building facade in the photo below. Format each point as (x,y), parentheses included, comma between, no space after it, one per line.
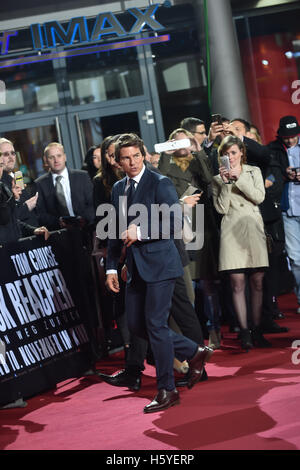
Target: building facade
(76,73)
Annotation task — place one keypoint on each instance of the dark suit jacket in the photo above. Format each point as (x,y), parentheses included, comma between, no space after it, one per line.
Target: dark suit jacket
(81,195)
(156,259)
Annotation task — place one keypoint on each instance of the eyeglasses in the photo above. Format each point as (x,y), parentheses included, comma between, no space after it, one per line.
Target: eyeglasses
(7,154)
(201,133)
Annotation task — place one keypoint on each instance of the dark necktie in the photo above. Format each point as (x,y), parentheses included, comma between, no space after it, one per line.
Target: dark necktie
(129,194)
(63,208)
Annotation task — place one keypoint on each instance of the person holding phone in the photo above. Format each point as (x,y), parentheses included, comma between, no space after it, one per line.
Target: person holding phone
(189,168)
(237,192)
(286,149)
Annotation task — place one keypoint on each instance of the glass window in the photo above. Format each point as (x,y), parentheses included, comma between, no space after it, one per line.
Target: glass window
(29,145)
(181,78)
(104,76)
(270,52)
(94,130)
(29,88)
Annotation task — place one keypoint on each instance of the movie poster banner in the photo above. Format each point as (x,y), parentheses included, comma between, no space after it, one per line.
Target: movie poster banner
(43,299)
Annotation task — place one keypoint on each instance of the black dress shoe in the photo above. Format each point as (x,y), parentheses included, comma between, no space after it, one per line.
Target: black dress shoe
(122,379)
(246,340)
(258,339)
(197,363)
(272,327)
(163,400)
(183,381)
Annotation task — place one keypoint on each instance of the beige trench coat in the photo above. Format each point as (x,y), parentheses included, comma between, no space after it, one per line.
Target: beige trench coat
(243,240)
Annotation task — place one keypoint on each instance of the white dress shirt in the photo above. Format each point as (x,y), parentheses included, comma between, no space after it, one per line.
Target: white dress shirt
(136,180)
(66,187)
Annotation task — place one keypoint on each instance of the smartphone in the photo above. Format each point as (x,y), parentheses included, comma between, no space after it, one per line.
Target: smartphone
(217,118)
(225,162)
(19,179)
(172,145)
(297,171)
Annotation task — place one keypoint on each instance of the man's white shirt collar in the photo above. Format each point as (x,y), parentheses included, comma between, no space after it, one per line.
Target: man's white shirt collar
(64,174)
(138,177)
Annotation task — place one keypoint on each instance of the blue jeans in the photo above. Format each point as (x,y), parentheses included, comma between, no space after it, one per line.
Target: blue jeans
(292,245)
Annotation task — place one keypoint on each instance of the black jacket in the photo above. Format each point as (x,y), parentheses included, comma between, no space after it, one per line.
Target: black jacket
(81,195)
(11,229)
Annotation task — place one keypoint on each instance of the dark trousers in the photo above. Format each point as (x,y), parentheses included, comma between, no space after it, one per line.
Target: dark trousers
(148,308)
(271,281)
(184,313)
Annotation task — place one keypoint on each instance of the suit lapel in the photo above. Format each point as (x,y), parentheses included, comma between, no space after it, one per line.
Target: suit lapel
(72,189)
(141,189)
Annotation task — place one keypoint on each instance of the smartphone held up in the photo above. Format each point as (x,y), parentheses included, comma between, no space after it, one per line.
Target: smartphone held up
(19,179)
(172,145)
(224,160)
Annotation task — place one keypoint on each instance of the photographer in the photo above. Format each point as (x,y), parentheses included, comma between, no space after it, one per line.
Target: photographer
(190,171)
(11,229)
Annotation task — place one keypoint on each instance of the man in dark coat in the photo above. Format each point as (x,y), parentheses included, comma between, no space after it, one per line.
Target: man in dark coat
(286,149)
(65,196)
(153,264)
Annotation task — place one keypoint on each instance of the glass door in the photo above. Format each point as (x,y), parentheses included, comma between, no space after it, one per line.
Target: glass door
(90,127)
(30,137)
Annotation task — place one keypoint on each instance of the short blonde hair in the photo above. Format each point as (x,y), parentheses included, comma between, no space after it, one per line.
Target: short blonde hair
(53,144)
(5,141)
(181,130)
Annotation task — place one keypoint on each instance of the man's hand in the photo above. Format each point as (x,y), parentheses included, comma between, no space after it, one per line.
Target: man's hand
(112,282)
(130,235)
(31,202)
(17,191)
(124,273)
(192,200)
(291,174)
(214,130)
(42,231)
(232,129)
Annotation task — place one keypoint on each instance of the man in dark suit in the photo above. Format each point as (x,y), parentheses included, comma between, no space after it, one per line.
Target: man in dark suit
(153,264)
(65,195)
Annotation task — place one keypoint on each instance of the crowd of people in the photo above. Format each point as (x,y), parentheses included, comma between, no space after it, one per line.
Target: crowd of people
(166,298)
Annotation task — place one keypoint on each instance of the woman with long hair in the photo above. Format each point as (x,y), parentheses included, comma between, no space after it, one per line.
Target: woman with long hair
(108,174)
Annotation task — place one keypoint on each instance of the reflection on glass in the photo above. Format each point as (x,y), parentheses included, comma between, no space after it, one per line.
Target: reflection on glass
(269,46)
(29,88)
(181,78)
(104,76)
(94,130)
(29,145)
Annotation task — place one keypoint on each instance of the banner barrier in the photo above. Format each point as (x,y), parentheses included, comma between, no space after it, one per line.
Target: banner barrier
(47,313)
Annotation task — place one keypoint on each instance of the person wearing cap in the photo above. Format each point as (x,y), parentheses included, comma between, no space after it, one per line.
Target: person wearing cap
(286,148)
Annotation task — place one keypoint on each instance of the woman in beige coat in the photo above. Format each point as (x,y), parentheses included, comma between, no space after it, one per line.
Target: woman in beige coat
(237,191)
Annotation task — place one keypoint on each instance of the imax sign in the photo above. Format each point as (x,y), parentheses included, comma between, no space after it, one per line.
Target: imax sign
(52,33)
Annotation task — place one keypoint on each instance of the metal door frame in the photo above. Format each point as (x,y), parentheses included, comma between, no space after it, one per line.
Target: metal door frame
(140,106)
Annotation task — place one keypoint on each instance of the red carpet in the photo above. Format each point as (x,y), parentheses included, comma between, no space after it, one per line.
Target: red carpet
(251,401)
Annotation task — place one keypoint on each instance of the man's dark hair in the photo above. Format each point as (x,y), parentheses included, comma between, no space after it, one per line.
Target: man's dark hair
(190,123)
(243,121)
(129,140)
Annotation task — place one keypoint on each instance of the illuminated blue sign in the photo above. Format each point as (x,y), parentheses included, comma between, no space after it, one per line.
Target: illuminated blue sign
(51,34)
